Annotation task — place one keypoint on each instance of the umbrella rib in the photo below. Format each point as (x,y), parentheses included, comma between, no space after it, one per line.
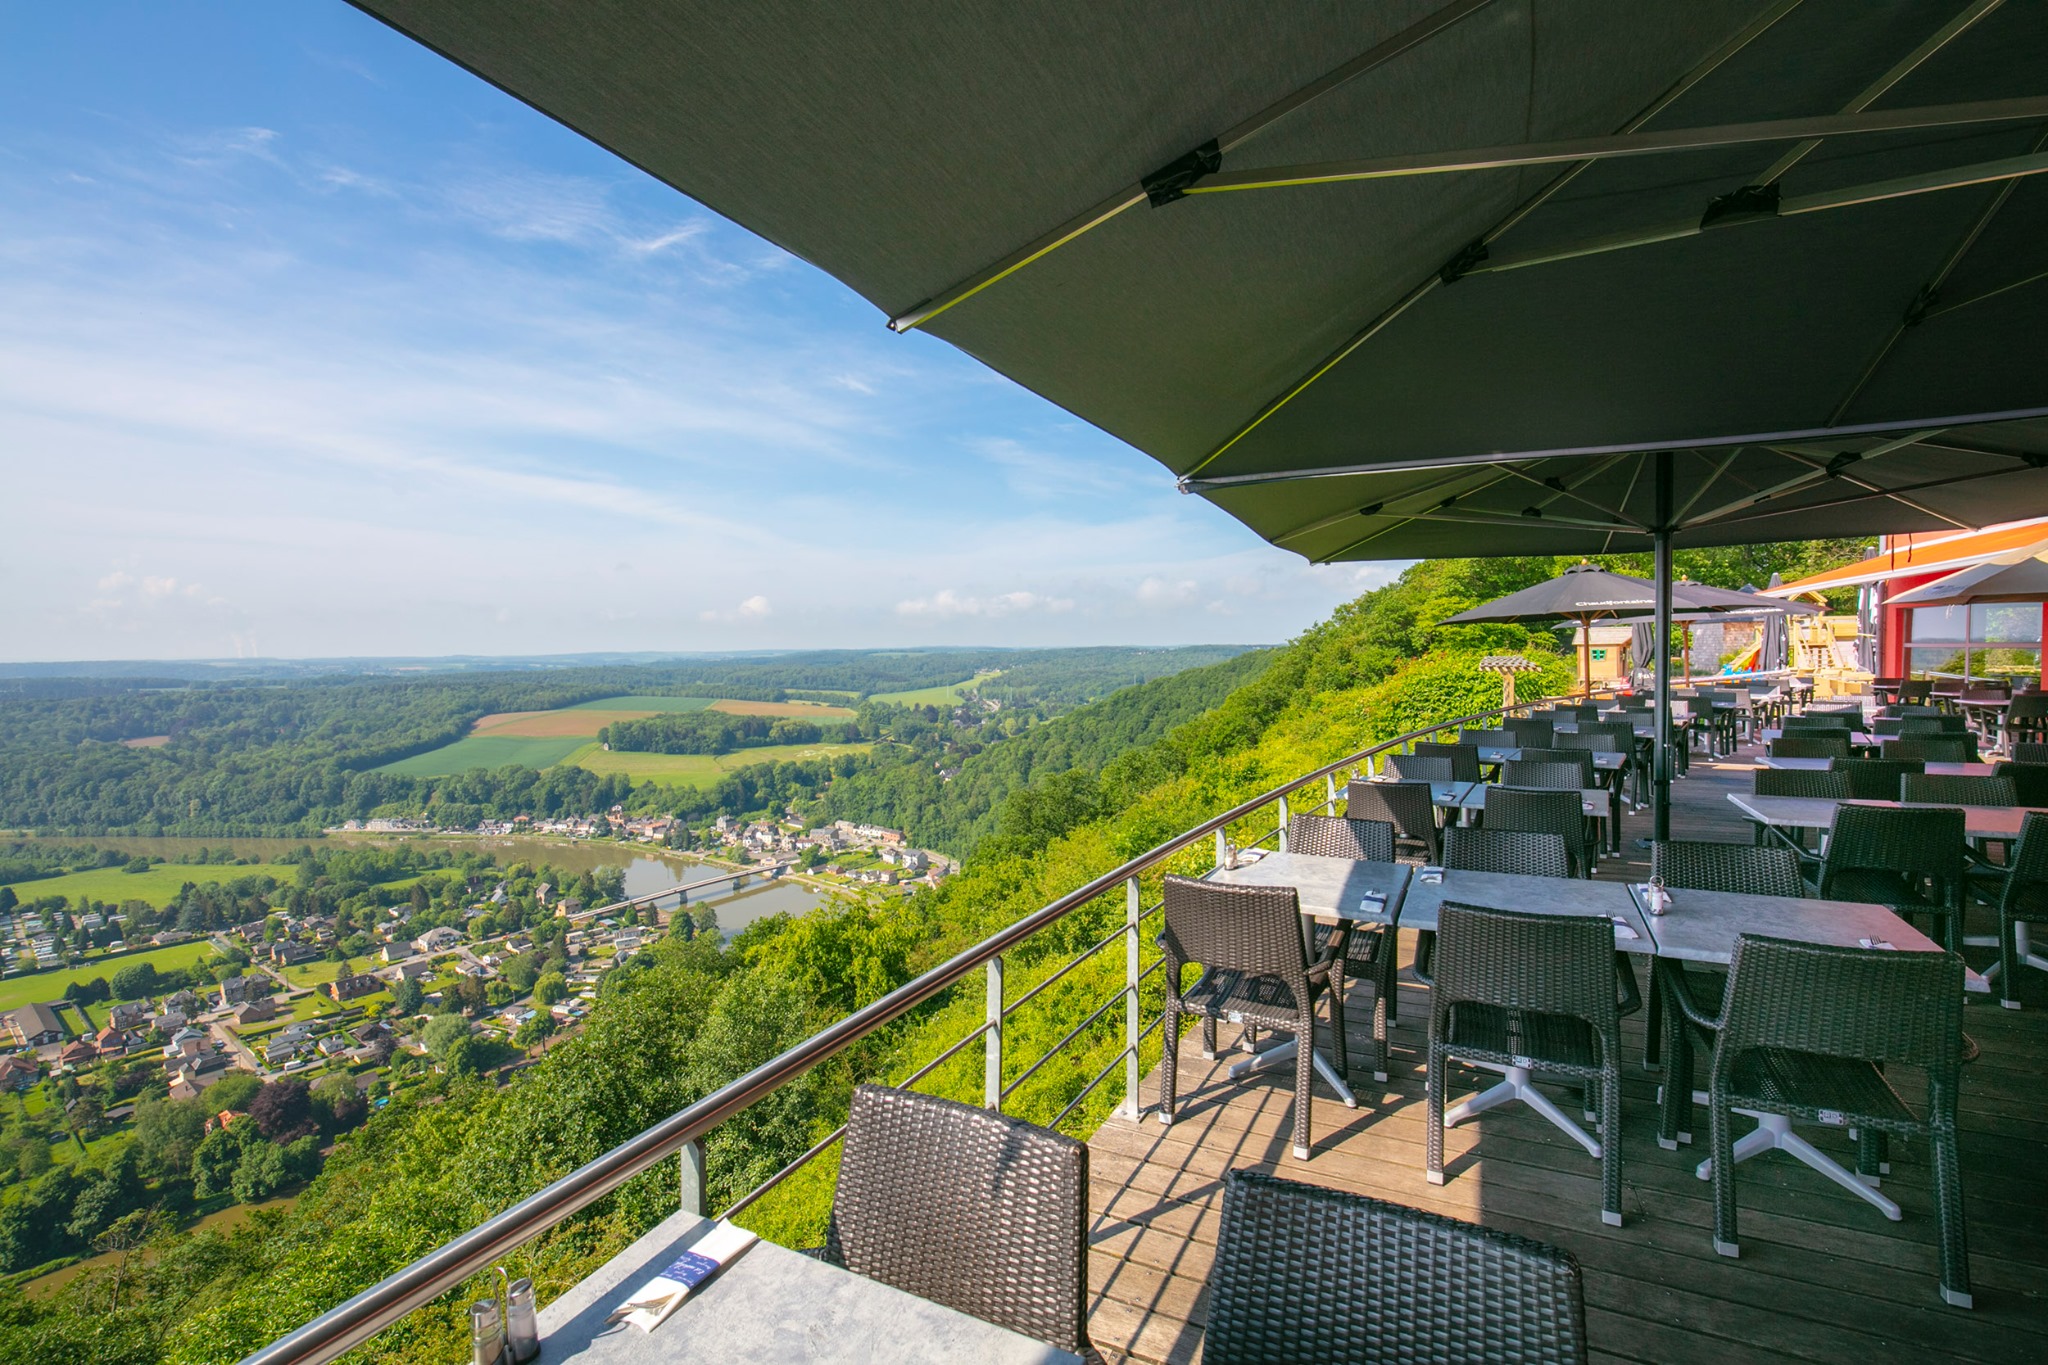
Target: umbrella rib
(1814,474)
(1881,493)
(1714,477)
(1400,518)
(1563,490)
(1090,219)
(1916,313)
(1705,68)
(1876,488)
(1987,294)
(1517,155)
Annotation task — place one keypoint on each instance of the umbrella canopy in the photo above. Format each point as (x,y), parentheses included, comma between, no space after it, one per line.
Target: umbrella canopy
(1402,279)
(2007,579)
(1424,277)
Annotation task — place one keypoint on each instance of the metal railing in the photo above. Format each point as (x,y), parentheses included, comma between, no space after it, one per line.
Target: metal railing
(351,1323)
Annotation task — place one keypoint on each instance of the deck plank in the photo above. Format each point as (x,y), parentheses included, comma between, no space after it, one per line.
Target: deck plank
(1822,1277)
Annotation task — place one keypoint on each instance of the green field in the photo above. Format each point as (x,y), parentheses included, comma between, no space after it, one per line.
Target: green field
(488,751)
(646,704)
(17,991)
(948,695)
(702,770)
(156,886)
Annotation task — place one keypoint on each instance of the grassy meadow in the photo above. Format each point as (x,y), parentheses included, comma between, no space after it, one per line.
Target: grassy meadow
(158,886)
(949,694)
(702,770)
(488,751)
(32,987)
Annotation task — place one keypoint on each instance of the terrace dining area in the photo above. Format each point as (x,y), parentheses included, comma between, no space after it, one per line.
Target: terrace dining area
(1832,1264)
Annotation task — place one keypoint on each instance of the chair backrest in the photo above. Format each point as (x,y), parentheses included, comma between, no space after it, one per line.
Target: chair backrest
(1422,768)
(1746,869)
(966,1207)
(1547,964)
(1827,786)
(1909,727)
(1922,841)
(1407,806)
(1592,741)
(1554,812)
(1530,731)
(1820,721)
(1298,1267)
(2030,753)
(1810,744)
(1867,1003)
(1464,758)
(2029,782)
(1488,739)
(1876,779)
(1582,759)
(1528,773)
(1521,852)
(1250,929)
(1955,790)
(1904,710)
(2025,893)
(1947,687)
(2027,707)
(1915,691)
(1991,692)
(1332,836)
(1933,749)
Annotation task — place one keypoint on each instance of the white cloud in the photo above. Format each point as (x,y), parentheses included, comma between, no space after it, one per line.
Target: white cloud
(755,608)
(947,603)
(1160,592)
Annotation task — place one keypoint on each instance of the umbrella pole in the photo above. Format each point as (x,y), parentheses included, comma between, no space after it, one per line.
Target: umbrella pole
(1660,785)
(1586,656)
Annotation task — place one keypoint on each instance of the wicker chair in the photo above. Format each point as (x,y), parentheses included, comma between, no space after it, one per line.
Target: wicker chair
(1807,1033)
(1912,860)
(1820,720)
(1530,732)
(1408,806)
(1876,779)
(1914,727)
(1359,951)
(1423,768)
(2022,900)
(1546,776)
(1697,865)
(1521,993)
(1554,812)
(1255,971)
(1304,1273)
(1823,786)
(1519,852)
(1489,739)
(2026,720)
(1952,790)
(2029,781)
(966,1207)
(2030,753)
(1582,759)
(1464,758)
(1810,744)
(1916,693)
(1933,748)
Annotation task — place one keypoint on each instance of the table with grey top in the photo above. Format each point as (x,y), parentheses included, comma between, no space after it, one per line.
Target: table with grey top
(1858,739)
(1820,765)
(772,1304)
(1448,795)
(1814,812)
(1424,902)
(1602,762)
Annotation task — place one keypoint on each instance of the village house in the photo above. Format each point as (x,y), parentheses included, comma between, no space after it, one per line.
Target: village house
(279,1051)
(112,1042)
(349,985)
(234,990)
(440,940)
(255,1012)
(186,1042)
(168,1022)
(289,952)
(18,1071)
(35,1026)
(187,1002)
(395,952)
(79,1053)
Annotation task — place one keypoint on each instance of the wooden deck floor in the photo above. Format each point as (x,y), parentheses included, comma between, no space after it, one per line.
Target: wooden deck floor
(1823,1276)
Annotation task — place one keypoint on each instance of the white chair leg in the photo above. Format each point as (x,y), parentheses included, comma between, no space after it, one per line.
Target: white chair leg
(1774,1134)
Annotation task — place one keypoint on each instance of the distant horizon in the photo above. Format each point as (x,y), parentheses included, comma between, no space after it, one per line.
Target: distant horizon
(319,346)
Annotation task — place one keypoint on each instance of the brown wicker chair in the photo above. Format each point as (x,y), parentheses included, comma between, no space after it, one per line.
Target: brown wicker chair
(1554,812)
(1521,993)
(1949,789)
(1464,758)
(1255,971)
(1807,1033)
(2029,781)
(1304,1273)
(1359,951)
(1408,806)
(966,1207)
(1423,768)
(1811,744)
(1933,748)
(2030,753)
(2023,899)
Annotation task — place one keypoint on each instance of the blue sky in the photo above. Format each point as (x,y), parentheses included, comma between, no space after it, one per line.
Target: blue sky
(314,344)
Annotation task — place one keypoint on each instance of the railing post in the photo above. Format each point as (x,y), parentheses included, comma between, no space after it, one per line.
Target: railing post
(691,1192)
(1222,847)
(1330,786)
(992,1041)
(1283,824)
(1133,911)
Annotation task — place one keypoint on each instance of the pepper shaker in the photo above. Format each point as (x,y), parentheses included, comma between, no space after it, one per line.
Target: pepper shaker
(486,1333)
(1659,900)
(522,1328)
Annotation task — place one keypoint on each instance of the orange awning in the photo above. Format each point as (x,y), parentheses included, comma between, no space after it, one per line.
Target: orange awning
(1924,553)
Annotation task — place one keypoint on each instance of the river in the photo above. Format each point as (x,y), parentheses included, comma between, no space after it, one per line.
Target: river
(646,869)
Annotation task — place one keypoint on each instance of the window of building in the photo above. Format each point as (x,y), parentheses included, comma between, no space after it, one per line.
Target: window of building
(1988,640)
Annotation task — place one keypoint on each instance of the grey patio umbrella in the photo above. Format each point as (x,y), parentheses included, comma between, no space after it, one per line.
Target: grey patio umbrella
(1425,277)
(2007,579)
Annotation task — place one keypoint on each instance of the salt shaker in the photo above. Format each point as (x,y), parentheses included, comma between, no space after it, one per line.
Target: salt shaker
(486,1333)
(1659,900)
(522,1328)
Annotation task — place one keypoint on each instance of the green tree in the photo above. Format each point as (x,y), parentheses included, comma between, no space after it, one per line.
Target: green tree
(407,997)
(259,1174)
(441,1033)
(550,989)
(168,1131)
(135,981)
(464,1056)
(232,1092)
(219,1155)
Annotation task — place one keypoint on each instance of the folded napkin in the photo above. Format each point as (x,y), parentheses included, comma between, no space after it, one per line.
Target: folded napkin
(1622,929)
(652,1302)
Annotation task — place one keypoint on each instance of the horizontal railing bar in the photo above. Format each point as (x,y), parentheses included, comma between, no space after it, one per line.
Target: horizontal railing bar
(1103,1074)
(1114,935)
(355,1321)
(935,1063)
(734,1209)
(1116,998)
